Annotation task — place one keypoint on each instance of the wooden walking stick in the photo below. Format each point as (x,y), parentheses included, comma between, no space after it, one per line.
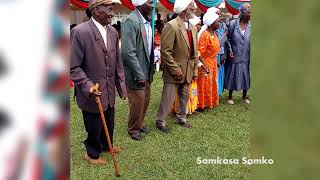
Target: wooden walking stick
(103,119)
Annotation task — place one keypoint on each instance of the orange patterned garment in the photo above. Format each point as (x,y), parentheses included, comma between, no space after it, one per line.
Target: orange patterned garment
(209,47)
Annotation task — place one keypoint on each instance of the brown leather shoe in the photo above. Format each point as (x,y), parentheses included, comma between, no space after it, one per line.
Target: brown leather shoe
(99,161)
(118,150)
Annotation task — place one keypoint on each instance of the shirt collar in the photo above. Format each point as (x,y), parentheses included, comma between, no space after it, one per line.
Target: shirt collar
(99,26)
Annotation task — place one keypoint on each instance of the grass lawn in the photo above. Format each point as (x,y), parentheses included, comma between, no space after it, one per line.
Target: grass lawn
(223,131)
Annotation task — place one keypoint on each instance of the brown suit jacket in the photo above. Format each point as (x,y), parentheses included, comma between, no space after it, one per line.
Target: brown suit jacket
(175,51)
(91,62)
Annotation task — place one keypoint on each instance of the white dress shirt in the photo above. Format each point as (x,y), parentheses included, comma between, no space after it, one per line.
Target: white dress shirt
(148,28)
(186,24)
(102,30)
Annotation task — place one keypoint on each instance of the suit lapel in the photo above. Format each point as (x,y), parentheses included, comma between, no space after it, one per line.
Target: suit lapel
(143,33)
(183,31)
(247,29)
(195,41)
(98,36)
(239,28)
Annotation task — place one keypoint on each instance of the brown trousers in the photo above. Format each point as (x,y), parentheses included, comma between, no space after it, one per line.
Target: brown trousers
(138,105)
(169,94)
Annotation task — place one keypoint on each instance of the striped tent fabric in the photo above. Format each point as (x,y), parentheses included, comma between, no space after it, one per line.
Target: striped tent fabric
(80,3)
(231,9)
(128,4)
(168,4)
(244,1)
(84,4)
(203,5)
(232,6)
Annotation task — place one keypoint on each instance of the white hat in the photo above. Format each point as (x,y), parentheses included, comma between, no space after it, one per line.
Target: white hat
(138,2)
(209,17)
(181,5)
(212,9)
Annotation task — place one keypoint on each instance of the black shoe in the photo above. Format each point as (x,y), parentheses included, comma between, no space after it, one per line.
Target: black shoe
(163,129)
(136,137)
(185,124)
(145,130)
(199,110)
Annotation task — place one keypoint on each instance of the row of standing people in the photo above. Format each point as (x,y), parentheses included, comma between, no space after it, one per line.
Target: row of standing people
(225,53)
(95,57)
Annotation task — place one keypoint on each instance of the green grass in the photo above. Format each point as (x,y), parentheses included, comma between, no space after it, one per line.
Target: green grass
(222,132)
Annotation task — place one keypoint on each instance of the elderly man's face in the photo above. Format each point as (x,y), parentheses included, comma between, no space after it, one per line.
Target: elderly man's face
(105,14)
(219,12)
(146,9)
(191,9)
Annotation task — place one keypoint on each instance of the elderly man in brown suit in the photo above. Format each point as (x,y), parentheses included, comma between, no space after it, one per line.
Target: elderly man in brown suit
(95,58)
(179,52)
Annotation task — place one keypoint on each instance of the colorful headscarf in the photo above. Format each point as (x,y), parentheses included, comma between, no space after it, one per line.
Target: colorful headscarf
(244,8)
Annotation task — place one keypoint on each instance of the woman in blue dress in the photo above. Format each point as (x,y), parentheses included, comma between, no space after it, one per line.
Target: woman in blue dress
(224,43)
(238,72)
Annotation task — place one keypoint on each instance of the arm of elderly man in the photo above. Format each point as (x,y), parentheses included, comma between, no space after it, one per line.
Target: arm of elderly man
(82,72)
(129,49)
(78,76)
(167,45)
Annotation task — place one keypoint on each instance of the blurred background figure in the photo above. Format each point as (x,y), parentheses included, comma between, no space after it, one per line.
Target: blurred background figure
(72,26)
(50,157)
(238,72)
(3,120)
(224,43)
(3,68)
(157,43)
(89,15)
(159,23)
(117,26)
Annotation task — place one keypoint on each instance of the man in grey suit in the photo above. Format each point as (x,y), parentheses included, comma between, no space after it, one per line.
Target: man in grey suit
(95,58)
(137,56)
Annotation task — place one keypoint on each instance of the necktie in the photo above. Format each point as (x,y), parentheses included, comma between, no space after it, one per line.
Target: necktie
(105,27)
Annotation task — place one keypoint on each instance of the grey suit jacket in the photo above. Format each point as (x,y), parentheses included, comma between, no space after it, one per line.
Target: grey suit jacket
(137,62)
(91,62)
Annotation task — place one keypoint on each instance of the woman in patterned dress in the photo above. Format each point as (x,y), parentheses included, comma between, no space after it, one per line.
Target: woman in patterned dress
(209,48)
